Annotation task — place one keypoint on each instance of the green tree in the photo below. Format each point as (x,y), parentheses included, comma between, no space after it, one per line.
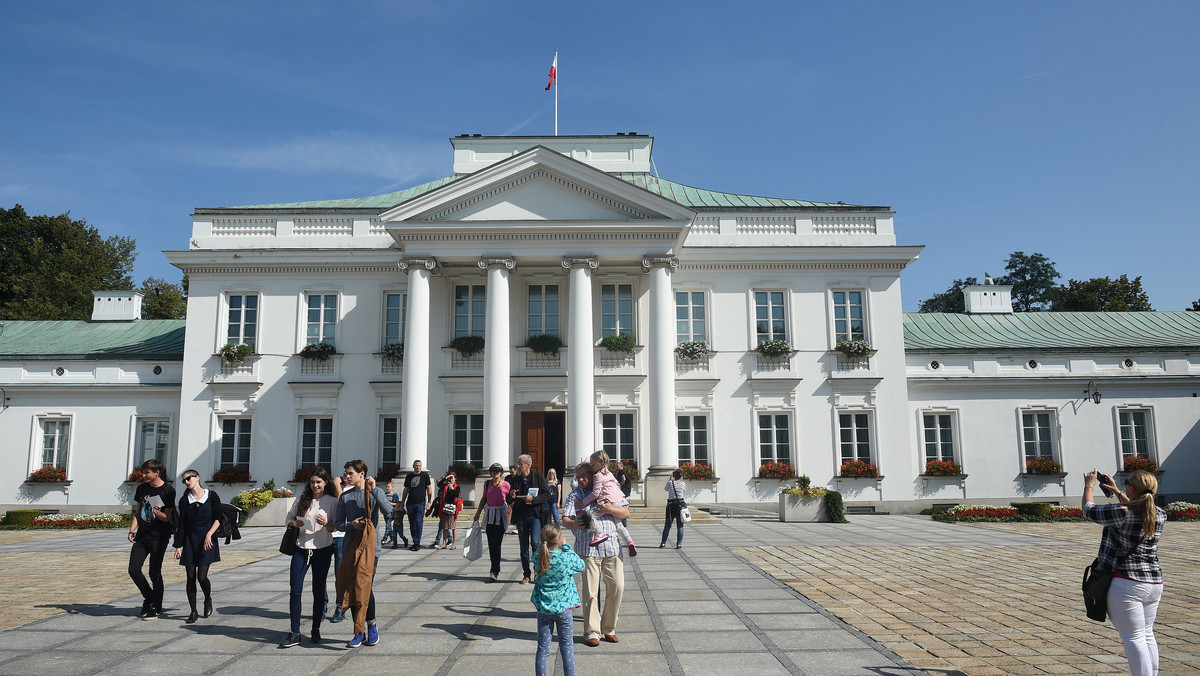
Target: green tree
(164,300)
(49,265)
(1195,306)
(1032,280)
(950,300)
(1101,294)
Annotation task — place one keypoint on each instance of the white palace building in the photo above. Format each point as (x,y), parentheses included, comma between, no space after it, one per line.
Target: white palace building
(577,237)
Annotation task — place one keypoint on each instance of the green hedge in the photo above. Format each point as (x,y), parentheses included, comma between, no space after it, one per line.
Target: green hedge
(1038,509)
(21,517)
(835,506)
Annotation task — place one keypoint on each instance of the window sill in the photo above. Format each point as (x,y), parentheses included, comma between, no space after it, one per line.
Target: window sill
(1043,475)
(49,484)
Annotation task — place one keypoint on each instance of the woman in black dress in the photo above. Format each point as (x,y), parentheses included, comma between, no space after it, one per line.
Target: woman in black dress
(195,548)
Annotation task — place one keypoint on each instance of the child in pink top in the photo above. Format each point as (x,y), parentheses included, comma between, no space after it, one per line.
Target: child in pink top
(605,490)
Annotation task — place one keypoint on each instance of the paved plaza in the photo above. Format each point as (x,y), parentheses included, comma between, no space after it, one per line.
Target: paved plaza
(883,595)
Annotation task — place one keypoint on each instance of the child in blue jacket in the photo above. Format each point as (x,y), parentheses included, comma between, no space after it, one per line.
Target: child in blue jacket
(555,596)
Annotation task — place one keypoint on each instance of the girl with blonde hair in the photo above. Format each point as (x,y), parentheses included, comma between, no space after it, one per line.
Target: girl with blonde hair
(555,596)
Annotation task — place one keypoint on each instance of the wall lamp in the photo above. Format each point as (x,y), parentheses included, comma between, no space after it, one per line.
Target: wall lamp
(1092,392)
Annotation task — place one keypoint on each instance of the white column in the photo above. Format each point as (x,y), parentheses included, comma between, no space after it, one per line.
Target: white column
(663,450)
(581,378)
(497,416)
(414,438)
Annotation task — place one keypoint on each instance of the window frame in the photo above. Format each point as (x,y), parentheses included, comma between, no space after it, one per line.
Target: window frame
(543,315)
(757,336)
(614,448)
(317,447)
(953,441)
(618,329)
(37,449)
(327,331)
(383,439)
(691,444)
(138,454)
(690,320)
(1052,432)
(238,420)
(775,415)
(241,338)
(1152,446)
(869,428)
(401,324)
(839,336)
(476,321)
(465,451)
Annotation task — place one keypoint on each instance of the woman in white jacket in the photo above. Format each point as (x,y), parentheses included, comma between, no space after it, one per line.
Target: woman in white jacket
(314,513)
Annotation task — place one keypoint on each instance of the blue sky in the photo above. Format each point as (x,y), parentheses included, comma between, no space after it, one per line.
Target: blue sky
(1067,128)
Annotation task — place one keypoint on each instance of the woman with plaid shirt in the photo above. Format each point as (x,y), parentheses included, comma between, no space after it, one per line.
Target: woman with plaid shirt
(1129,548)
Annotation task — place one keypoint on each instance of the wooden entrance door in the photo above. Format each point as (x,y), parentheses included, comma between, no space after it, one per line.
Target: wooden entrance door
(544,438)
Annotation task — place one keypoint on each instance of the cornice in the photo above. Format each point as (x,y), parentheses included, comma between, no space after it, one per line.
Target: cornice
(751,265)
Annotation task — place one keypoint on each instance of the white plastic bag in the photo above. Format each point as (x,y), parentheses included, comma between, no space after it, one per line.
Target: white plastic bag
(685,514)
(473,543)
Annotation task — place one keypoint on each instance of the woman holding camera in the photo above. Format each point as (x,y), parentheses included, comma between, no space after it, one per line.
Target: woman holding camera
(1129,548)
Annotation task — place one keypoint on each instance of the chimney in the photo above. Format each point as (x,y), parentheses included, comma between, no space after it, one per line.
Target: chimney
(116,306)
(988,298)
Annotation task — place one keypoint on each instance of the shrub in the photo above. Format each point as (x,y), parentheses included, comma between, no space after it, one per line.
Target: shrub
(231,474)
(1042,465)
(692,350)
(1136,462)
(858,468)
(836,507)
(465,471)
(804,492)
(47,474)
(393,352)
(234,354)
(21,517)
(697,472)
(631,469)
(854,349)
(1033,508)
(468,346)
(803,481)
(247,500)
(386,473)
(623,343)
(942,468)
(281,493)
(318,351)
(303,473)
(544,343)
(776,470)
(774,349)
(1176,511)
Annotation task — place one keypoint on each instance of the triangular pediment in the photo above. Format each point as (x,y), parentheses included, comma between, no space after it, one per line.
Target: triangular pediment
(538,185)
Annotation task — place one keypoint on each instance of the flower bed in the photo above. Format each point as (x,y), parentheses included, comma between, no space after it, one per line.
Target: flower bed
(998,513)
(1183,511)
(697,472)
(776,470)
(106,520)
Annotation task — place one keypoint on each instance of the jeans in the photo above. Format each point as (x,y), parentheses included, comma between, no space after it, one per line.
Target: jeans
(566,642)
(152,590)
(319,559)
(529,534)
(339,549)
(554,515)
(673,514)
(416,520)
(495,537)
(1132,607)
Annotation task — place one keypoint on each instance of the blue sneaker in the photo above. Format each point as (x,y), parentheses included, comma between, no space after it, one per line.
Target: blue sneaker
(356,641)
(337,615)
(372,634)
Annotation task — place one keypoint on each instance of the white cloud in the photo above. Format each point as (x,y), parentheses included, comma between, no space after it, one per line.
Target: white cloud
(391,157)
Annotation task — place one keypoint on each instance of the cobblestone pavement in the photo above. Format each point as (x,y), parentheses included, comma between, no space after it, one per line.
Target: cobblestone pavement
(984,609)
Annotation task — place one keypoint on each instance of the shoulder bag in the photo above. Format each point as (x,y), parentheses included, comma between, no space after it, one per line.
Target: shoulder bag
(287,546)
(1095,591)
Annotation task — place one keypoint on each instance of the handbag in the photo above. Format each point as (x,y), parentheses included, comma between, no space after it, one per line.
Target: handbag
(449,508)
(685,514)
(1095,591)
(473,543)
(287,546)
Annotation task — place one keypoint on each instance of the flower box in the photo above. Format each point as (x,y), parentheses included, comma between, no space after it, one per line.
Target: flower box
(858,469)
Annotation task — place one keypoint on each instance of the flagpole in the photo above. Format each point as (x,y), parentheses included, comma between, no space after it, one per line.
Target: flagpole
(556,95)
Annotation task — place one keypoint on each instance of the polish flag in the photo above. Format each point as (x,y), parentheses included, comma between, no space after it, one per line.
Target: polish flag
(553,71)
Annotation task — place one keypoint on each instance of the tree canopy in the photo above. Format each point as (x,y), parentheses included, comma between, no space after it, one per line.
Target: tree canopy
(951,300)
(1195,306)
(1101,294)
(1032,279)
(163,300)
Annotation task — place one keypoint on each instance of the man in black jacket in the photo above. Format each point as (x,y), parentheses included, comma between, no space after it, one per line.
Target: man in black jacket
(528,500)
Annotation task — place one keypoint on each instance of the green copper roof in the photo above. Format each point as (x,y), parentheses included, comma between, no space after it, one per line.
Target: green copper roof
(143,339)
(686,195)
(940,332)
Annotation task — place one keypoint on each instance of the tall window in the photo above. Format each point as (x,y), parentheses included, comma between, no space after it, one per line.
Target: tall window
(939,436)
(617,435)
(154,437)
(242,320)
(693,438)
(56,442)
(468,438)
(848,321)
(235,442)
(774,437)
(855,436)
(1036,434)
(395,311)
(322,319)
(770,320)
(389,440)
(691,322)
(616,310)
(316,442)
(470,310)
(1135,433)
(543,309)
